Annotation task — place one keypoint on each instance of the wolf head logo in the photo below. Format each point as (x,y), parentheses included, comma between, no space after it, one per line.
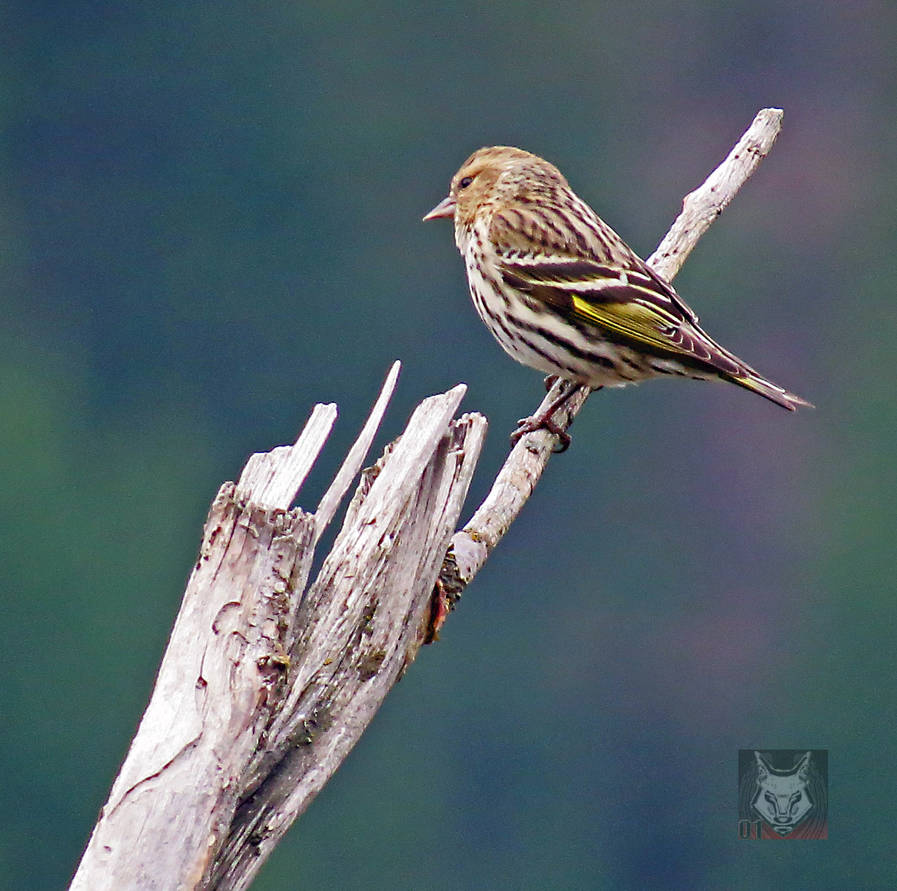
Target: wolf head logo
(781,797)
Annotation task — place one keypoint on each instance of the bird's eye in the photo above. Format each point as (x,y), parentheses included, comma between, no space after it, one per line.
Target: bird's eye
(465,182)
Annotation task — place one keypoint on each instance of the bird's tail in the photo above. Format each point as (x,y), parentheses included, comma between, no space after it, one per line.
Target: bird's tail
(730,368)
(749,379)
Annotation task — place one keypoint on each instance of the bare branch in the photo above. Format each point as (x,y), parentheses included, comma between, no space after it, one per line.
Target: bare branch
(702,206)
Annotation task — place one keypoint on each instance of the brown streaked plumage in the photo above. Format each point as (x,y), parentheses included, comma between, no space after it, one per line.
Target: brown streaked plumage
(563,293)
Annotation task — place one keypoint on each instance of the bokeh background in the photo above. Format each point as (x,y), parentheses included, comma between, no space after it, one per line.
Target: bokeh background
(210,219)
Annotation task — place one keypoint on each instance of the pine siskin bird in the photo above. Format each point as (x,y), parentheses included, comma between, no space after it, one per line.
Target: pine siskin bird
(563,293)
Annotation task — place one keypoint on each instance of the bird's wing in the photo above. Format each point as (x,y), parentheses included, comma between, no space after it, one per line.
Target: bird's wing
(575,239)
(629,303)
(586,273)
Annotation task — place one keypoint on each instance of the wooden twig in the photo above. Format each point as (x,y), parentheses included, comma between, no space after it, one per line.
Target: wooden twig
(702,206)
(523,468)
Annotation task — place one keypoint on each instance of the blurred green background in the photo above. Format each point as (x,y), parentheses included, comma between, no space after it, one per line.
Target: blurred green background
(210,220)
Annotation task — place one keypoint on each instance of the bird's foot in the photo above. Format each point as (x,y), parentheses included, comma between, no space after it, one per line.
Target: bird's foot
(542,421)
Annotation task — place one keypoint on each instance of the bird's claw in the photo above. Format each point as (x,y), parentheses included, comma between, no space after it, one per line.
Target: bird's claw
(536,422)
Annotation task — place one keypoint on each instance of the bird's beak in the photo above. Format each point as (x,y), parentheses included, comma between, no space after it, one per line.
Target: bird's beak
(445,208)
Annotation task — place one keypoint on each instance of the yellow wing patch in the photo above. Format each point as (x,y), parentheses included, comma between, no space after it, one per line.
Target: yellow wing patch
(631,319)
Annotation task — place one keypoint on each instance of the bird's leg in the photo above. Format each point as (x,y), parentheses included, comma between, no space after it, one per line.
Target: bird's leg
(543,421)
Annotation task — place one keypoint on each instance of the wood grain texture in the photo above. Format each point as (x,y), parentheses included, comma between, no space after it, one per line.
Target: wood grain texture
(266,684)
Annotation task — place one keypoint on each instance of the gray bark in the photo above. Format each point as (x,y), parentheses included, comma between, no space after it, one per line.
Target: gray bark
(266,686)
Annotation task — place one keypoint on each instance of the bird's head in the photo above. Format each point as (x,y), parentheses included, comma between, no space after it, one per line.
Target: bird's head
(495,175)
